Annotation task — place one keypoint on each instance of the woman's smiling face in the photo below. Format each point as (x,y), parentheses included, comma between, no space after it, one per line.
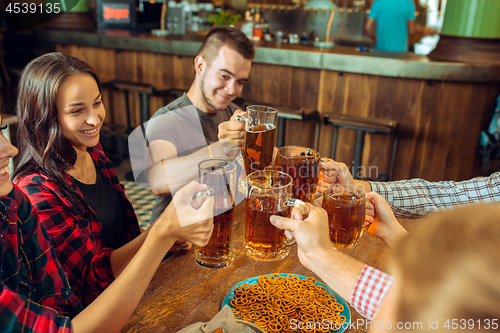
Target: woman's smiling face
(80,110)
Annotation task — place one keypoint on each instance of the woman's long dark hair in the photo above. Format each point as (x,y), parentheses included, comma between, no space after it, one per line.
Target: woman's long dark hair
(41,144)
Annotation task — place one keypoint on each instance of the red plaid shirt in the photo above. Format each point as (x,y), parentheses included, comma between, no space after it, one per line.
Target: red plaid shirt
(77,238)
(35,295)
(370,291)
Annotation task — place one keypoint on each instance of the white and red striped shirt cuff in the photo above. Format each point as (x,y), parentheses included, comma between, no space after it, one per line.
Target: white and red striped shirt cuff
(370,290)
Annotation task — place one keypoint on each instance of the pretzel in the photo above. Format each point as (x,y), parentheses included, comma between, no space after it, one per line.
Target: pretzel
(276,300)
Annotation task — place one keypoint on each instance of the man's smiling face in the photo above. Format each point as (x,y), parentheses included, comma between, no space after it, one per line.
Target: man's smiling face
(222,80)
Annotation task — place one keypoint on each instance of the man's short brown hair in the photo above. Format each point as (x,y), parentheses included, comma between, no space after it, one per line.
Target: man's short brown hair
(226,36)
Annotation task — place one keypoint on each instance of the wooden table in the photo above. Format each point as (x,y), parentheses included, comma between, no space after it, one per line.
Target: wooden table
(182,292)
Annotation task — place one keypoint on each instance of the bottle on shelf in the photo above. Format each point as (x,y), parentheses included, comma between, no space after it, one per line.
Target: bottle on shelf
(257,28)
(266,34)
(247,27)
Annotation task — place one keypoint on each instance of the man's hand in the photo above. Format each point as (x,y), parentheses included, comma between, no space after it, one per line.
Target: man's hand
(332,173)
(383,222)
(312,234)
(232,135)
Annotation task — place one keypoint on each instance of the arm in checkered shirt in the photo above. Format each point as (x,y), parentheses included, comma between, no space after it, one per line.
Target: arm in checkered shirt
(18,314)
(417,197)
(21,315)
(90,268)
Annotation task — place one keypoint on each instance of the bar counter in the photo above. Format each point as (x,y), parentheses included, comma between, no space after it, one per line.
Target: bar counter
(182,293)
(440,107)
(339,58)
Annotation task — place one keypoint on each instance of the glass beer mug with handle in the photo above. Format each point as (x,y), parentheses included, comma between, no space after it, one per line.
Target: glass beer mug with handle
(269,192)
(303,165)
(260,133)
(346,207)
(220,175)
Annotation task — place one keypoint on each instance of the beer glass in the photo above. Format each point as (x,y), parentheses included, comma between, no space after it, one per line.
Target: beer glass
(260,132)
(220,175)
(269,192)
(346,208)
(303,165)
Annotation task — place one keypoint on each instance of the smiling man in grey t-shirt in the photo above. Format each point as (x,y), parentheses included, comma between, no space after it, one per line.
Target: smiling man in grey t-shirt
(201,124)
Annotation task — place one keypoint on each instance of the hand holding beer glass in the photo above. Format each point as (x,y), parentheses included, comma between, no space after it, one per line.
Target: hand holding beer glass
(346,207)
(260,133)
(220,175)
(269,192)
(302,164)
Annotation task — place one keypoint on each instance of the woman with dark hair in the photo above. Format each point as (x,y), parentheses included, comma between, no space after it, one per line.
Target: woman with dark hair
(35,295)
(63,170)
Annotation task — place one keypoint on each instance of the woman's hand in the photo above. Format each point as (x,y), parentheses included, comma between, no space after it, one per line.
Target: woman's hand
(384,224)
(180,221)
(180,245)
(312,234)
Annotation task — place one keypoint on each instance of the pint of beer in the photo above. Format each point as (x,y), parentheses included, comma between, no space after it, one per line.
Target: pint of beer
(260,132)
(220,174)
(269,193)
(303,165)
(346,208)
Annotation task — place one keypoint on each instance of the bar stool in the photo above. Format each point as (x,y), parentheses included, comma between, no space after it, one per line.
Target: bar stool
(362,125)
(144,90)
(285,113)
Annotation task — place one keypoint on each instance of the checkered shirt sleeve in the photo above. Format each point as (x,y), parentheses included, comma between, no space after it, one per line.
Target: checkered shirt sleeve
(370,290)
(417,197)
(21,315)
(29,266)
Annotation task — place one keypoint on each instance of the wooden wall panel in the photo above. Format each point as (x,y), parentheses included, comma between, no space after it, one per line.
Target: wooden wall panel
(303,93)
(305,88)
(276,85)
(183,72)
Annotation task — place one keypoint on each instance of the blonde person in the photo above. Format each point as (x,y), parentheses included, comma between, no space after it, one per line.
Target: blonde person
(447,273)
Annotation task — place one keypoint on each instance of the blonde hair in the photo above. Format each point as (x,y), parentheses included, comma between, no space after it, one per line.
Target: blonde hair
(449,268)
